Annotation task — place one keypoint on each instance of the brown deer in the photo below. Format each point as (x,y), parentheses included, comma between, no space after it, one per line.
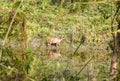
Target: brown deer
(54,41)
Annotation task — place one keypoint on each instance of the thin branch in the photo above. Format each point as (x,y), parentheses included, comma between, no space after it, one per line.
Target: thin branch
(81,42)
(85,65)
(9,28)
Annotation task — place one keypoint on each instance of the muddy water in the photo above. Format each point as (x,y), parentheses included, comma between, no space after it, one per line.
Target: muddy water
(67,65)
(59,64)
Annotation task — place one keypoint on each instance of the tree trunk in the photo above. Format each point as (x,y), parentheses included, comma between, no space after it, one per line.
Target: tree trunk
(118,68)
(114,61)
(114,71)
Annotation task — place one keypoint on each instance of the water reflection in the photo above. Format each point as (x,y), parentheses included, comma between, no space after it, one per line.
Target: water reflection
(54,53)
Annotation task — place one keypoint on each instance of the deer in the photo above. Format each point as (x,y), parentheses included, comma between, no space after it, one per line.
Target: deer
(54,41)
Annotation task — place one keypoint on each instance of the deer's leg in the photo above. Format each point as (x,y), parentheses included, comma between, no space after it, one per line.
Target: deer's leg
(49,45)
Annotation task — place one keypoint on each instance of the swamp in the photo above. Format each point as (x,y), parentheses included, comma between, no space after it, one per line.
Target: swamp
(59,40)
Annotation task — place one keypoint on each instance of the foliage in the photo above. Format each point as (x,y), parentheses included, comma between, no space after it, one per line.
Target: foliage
(48,18)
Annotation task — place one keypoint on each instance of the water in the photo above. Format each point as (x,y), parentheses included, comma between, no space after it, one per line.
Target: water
(58,64)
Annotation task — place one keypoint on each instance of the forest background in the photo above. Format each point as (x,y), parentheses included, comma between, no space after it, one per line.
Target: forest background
(86,26)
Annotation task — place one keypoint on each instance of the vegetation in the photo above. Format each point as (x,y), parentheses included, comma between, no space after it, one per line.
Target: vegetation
(86,48)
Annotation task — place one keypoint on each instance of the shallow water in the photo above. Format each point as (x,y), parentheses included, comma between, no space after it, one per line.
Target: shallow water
(59,64)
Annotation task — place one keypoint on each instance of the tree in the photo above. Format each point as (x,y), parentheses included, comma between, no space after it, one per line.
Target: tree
(114,71)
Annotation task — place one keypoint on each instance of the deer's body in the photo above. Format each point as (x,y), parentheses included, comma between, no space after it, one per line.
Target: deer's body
(54,41)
